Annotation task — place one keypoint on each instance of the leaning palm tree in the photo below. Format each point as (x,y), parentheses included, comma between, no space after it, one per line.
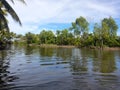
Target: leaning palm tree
(6,9)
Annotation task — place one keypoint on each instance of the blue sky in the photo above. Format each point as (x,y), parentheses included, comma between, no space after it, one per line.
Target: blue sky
(58,14)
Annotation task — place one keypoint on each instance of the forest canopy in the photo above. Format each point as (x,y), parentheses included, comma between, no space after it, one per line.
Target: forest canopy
(104,34)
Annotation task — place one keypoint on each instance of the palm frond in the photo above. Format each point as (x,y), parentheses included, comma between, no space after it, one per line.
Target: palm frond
(22,1)
(11,11)
(12,1)
(3,21)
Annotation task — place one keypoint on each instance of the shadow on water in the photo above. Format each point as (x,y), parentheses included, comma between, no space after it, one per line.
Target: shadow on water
(64,53)
(6,78)
(79,62)
(104,62)
(54,56)
(29,50)
(96,60)
(46,52)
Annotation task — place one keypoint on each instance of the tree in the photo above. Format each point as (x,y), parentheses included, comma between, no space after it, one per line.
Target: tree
(59,38)
(97,34)
(106,32)
(109,31)
(47,37)
(64,37)
(80,26)
(112,26)
(6,9)
(31,38)
(50,37)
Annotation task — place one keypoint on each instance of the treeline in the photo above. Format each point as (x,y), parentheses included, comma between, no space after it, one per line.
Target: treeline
(103,34)
(6,38)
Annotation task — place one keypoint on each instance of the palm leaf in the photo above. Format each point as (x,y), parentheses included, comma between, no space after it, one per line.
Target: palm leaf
(18,0)
(22,1)
(12,1)
(3,21)
(11,11)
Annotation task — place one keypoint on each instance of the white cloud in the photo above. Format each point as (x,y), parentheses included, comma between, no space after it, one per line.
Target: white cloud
(38,12)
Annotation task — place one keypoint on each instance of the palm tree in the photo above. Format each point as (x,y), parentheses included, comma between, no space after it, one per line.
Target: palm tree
(6,9)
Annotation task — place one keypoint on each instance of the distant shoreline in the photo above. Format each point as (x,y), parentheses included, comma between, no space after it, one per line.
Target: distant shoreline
(72,46)
(53,46)
(112,48)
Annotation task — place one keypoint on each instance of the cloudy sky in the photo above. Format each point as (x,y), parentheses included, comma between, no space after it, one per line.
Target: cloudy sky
(58,14)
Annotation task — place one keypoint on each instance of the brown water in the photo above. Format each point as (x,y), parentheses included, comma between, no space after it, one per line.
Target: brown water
(34,68)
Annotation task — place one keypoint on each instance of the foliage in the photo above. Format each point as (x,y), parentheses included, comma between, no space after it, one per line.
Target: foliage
(31,38)
(47,37)
(64,37)
(6,9)
(104,34)
(80,26)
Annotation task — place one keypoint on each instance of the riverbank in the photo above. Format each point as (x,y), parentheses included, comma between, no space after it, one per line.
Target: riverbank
(72,46)
(53,46)
(112,48)
(104,48)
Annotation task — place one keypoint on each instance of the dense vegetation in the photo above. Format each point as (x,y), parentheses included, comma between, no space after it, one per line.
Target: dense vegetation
(5,34)
(104,34)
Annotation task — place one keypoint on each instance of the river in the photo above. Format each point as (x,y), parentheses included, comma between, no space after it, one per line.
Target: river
(35,68)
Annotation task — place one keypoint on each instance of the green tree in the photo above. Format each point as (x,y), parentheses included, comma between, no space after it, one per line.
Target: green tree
(42,37)
(31,38)
(101,34)
(89,41)
(6,9)
(97,34)
(112,26)
(58,38)
(64,37)
(106,32)
(50,37)
(47,37)
(80,26)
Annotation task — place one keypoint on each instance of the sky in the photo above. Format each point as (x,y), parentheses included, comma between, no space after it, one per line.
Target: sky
(54,15)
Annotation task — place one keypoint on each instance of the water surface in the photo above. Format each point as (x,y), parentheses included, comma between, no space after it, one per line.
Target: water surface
(28,68)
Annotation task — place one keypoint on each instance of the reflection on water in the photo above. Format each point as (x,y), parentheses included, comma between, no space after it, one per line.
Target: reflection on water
(79,62)
(6,77)
(28,68)
(46,52)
